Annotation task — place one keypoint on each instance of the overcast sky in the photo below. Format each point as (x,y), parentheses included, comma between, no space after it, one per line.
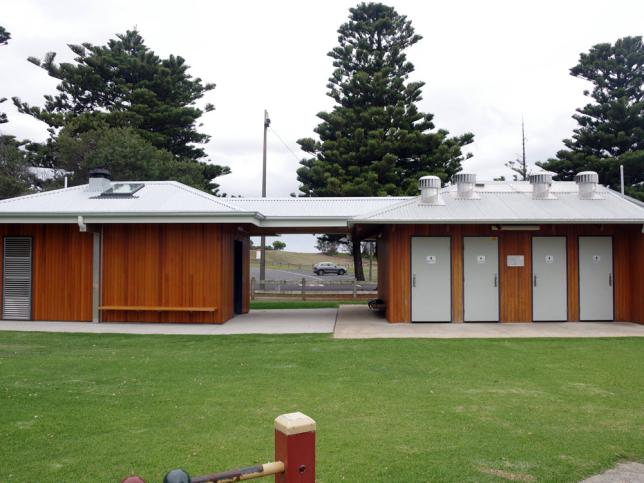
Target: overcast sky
(485,64)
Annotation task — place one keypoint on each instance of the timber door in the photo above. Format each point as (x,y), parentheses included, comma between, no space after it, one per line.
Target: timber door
(16,278)
(431,279)
(595,278)
(480,279)
(549,278)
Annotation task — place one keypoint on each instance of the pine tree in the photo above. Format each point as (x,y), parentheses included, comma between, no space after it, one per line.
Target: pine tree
(15,177)
(4,39)
(610,130)
(126,85)
(375,141)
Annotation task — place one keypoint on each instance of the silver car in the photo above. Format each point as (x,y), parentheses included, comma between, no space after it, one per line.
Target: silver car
(322,268)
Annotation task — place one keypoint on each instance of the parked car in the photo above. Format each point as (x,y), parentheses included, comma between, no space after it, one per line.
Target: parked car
(323,268)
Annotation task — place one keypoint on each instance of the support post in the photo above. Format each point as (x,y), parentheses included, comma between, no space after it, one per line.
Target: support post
(262,261)
(96,275)
(303,288)
(355,289)
(295,447)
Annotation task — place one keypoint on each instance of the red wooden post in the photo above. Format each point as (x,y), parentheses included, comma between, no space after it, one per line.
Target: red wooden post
(295,447)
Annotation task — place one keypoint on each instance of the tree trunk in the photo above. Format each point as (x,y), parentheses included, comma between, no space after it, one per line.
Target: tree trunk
(357,260)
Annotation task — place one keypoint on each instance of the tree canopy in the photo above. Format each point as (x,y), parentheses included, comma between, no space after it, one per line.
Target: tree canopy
(125,85)
(375,141)
(610,129)
(15,177)
(4,39)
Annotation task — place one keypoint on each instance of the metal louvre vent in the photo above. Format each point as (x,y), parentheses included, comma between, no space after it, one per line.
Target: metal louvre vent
(16,284)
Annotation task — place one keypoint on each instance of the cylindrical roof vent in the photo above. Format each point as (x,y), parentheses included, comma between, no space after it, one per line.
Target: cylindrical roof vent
(587,182)
(465,183)
(99,180)
(429,187)
(541,183)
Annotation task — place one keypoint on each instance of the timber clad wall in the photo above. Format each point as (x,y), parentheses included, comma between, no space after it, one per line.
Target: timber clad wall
(515,282)
(62,270)
(173,265)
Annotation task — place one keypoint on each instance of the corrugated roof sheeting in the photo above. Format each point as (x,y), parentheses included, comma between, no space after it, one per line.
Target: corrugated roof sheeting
(500,202)
(511,206)
(313,207)
(155,197)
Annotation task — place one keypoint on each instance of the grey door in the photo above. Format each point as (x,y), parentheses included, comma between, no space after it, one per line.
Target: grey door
(480,279)
(16,280)
(431,279)
(595,278)
(549,278)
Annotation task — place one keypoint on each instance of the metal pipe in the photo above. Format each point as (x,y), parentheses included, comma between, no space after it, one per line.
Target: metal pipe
(621,177)
(259,471)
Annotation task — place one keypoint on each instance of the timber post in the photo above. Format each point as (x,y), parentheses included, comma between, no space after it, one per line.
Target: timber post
(295,447)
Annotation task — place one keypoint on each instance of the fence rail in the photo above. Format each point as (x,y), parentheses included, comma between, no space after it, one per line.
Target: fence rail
(311,287)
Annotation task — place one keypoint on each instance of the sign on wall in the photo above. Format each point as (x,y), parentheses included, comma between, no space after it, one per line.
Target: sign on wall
(431,259)
(515,261)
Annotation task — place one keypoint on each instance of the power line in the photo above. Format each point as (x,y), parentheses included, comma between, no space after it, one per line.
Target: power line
(297,158)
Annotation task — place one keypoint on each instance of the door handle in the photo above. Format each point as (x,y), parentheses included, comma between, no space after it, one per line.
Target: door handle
(495,279)
(413,280)
(610,279)
(534,280)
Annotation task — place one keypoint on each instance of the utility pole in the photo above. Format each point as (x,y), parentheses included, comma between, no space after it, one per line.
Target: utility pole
(524,167)
(262,261)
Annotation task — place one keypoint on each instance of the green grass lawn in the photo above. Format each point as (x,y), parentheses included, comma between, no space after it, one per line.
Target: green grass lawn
(303,304)
(96,407)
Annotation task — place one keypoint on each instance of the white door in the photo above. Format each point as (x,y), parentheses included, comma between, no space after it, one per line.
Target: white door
(431,279)
(480,279)
(595,278)
(549,278)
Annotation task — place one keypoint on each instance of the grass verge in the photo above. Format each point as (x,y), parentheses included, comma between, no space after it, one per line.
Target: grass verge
(96,407)
(303,304)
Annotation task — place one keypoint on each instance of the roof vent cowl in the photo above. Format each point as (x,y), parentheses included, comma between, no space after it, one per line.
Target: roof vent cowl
(587,182)
(99,180)
(465,183)
(541,183)
(429,187)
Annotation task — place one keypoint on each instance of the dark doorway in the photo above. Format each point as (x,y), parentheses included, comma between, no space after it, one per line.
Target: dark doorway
(239,274)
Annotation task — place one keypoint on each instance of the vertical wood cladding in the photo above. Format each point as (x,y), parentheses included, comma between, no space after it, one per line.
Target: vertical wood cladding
(171,265)
(62,271)
(515,282)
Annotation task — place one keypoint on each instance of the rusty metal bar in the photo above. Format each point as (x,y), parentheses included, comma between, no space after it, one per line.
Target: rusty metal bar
(241,474)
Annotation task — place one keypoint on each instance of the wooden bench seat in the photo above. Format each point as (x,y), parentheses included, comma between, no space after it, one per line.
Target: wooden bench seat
(151,308)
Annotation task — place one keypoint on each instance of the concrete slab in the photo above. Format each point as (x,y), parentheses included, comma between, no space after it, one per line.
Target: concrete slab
(293,321)
(358,322)
(622,473)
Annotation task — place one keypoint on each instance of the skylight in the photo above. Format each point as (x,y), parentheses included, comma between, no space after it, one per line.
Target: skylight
(121,190)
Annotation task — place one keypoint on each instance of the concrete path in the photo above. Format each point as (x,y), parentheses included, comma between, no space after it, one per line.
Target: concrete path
(622,473)
(295,321)
(357,322)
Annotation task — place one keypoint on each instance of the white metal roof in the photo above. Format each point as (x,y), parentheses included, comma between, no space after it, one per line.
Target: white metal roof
(156,198)
(312,207)
(173,202)
(512,202)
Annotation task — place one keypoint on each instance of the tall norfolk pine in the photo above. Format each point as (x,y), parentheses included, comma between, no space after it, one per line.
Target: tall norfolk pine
(375,141)
(610,130)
